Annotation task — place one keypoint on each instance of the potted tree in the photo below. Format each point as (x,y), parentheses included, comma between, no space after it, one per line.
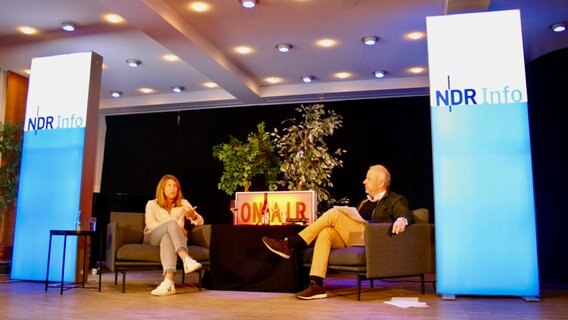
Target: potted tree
(307,162)
(242,161)
(10,153)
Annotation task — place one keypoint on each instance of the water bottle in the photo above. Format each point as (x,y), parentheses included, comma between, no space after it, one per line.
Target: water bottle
(78,222)
(265,211)
(266,218)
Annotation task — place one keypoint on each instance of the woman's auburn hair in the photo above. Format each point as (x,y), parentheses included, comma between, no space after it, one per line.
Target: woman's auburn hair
(161,198)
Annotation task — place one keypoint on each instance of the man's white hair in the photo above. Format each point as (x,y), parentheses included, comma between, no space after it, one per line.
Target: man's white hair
(382,169)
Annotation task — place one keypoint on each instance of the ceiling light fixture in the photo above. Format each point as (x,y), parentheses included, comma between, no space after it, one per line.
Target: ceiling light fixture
(69,25)
(133,62)
(116,94)
(273,80)
(170,57)
(308,79)
(558,27)
(210,85)
(284,47)
(114,18)
(416,70)
(178,89)
(326,43)
(379,74)
(416,35)
(370,40)
(243,50)
(27,30)
(342,75)
(199,6)
(146,90)
(248,3)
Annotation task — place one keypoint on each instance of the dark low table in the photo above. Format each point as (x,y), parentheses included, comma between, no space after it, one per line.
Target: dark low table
(71,233)
(240,261)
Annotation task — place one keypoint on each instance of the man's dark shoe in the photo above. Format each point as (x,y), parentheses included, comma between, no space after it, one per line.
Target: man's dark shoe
(312,291)
(280,247)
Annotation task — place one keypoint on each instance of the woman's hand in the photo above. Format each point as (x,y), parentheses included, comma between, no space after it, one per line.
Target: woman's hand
(189,212)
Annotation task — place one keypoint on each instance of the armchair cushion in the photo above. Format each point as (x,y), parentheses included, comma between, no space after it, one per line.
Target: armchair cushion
(198,253)
(421,215)
(199,241)
(138,252)
(132,225)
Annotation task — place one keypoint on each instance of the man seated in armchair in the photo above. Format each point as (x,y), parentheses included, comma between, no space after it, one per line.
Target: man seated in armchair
(336,227)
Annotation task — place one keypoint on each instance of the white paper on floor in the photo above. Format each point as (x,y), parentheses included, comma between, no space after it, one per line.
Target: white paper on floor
(404,302)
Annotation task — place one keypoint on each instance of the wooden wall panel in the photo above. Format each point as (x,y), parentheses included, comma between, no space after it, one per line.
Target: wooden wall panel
(16,96)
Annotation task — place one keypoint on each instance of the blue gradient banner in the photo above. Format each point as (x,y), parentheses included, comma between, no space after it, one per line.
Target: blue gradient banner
(483,188)
(52,163)
(48,199)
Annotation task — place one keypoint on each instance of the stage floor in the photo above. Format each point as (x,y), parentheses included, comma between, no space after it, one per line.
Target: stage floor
(28,300)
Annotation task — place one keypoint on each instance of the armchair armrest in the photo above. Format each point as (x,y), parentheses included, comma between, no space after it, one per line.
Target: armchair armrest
(408,253)
(200,236)
(113,243)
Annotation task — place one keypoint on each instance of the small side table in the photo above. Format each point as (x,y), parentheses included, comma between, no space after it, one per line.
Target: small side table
(67,233)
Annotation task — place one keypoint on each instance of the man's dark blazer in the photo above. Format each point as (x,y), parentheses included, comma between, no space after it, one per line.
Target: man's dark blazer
(391,207)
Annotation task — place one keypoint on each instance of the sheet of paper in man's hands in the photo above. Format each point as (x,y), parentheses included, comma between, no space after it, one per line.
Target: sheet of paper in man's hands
(351,212)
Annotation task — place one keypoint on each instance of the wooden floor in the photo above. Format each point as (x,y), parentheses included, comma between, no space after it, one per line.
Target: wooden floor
(28,300)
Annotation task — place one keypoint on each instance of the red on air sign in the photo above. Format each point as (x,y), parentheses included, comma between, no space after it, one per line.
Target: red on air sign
(281,205)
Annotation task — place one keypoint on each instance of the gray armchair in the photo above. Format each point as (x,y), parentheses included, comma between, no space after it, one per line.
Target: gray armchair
(384,255)
(125,250)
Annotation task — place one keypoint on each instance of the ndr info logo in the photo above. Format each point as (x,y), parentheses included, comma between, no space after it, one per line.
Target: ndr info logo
(471,96)
(49,122)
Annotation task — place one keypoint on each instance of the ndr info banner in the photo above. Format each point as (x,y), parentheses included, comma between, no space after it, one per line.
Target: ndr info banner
(483,189)
(52,163)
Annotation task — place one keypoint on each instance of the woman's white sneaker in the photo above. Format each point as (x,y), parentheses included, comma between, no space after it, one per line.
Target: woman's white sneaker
(165,288)
(190,265)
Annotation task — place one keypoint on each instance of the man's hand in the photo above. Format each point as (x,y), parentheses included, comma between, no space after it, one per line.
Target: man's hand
(399,225)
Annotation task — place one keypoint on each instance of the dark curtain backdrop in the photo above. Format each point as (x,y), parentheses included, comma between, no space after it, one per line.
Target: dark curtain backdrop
(547,83)
(141,148)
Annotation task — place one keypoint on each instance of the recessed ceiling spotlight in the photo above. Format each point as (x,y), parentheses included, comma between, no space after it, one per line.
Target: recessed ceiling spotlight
(27,30)
(210,85)
(170,57)
(69,25)
(114,18)
(116,94)
(379,74)
(199,6)
(248,3)
(308,78)
(326,43)
(273,80)
(342,75)
(243,50)
(416,70)
(558,27)
(178,89)
(133,62)
(416,35)
(284,47)
(146,90)
(370,40)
